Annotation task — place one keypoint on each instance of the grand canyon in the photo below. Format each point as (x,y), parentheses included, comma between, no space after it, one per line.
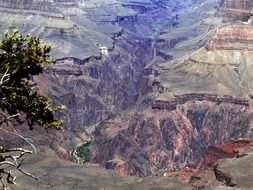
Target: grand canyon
(159,91)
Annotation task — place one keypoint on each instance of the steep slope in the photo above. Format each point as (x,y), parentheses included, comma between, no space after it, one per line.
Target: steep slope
(175,77)
(200,98)
(101,87)
(75,28)
(222,67)
(175,136)
(233,10)
(64,175)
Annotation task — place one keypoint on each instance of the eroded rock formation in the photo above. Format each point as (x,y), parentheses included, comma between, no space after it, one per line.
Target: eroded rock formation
(201,99)
(64,23)
(170,139)
(176,80)
(234,10)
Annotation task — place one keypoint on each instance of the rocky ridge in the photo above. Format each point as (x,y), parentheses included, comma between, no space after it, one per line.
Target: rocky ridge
(169,139)
(194,102)
(177,79)
(63,23)
(100,87)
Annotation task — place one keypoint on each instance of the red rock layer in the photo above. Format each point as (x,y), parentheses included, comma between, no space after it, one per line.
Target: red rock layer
(165,139)
(234,37)
(220,151)
(233,10)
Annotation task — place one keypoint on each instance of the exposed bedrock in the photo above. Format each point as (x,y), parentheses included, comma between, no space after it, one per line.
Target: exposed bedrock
(234,10)
(64,23)
(223,66)
(65,175)
(100,87)
(204,98)
(236,171)
(166,140)
(174,81)
(201,99)
(103,86)
(235,149)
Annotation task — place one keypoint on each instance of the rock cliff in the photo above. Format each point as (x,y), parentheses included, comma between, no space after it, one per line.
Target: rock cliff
(176,78)
(233,10)
(64,23)
(200,98)
(169,139)
(100,87)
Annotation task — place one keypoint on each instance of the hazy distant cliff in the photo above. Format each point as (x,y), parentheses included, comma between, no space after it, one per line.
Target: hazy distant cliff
(176,78)
(200,99)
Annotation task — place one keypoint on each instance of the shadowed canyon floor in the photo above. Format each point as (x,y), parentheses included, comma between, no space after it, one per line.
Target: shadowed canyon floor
(168,96)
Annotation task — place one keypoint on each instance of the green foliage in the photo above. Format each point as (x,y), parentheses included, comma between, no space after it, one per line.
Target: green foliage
(82,152)
(21,58)
(2,158)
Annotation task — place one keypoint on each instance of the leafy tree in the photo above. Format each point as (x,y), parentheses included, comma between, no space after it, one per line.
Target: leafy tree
(21,58)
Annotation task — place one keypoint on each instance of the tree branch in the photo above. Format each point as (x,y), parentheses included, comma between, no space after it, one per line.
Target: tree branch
(17,161)
(19,169)
(2,182)
(20,136)
(3,78)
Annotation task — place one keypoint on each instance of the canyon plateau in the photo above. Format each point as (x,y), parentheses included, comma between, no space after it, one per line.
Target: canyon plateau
(161,89)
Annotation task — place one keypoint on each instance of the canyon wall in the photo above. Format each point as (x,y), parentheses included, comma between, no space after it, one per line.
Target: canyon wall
(101,87)
(201,97)
(176,77)
(169,139)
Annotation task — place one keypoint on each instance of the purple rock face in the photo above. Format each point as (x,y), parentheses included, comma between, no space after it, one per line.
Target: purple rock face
(188,116)
(170,139)
(101,87)
(155,83)
(115,93)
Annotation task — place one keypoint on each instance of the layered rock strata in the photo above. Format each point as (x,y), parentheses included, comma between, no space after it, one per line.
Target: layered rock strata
(100,87)
(200,99)
(157,140)
(178,55)
(64,23)
(234,10)
(223,66)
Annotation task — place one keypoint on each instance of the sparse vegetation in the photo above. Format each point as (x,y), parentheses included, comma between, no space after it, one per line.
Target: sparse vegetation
(81,154)
(21,58)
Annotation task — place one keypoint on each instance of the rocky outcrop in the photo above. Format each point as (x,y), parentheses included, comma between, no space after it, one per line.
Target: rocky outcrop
(238,171)
(98,89)
(234,149)
(223,177)
(182,99)
(170,139)
(227,173)
(199,100)
(101,87)
(234,10)
(64,23)
(176,54)
(233,37)
(65,175)
(224,66)
(146,141)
